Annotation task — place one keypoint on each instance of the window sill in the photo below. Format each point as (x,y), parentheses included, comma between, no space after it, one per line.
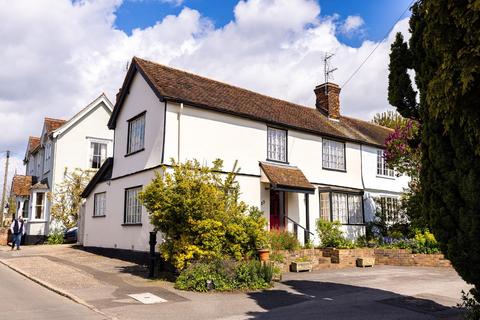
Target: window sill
(385,177)
(131,224)
(134,152)
(102,216)
(337,170)
(278,161)
(37,221)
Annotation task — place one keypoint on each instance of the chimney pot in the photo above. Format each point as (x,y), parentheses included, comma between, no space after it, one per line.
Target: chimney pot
(328,99)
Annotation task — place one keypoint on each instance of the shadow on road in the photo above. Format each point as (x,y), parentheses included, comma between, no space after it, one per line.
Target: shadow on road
(325,300)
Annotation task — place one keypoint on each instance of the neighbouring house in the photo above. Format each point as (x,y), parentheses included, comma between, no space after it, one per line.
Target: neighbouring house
(297,163)
(83,142)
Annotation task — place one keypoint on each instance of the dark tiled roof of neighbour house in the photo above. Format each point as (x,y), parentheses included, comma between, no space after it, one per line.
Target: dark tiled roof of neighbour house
(282,176)
(180,86)
(21,185)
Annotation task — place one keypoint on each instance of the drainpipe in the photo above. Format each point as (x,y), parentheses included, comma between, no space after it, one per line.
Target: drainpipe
(179,131)
(307,222)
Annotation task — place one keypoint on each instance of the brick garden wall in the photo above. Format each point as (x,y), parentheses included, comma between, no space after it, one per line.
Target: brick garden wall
(344,258)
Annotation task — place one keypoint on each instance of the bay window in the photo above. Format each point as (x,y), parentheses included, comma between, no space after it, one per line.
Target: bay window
(343,207)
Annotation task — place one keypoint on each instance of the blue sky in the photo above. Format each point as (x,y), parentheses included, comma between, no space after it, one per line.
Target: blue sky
(378,15)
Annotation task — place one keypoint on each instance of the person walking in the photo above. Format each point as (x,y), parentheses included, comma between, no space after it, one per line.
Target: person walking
(18,230)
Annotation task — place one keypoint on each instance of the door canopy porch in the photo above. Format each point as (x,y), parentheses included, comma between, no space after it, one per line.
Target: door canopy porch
(285,178)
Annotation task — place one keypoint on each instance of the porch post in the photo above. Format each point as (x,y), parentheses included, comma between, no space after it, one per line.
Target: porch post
(307,221)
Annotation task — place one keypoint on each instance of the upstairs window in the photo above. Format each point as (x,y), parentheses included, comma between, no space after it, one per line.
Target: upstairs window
(47,157)
(136,134)
(99,154)
(333,155)
(382,166)
(276,144)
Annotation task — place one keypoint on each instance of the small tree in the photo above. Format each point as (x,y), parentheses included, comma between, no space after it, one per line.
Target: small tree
(66,198)
(198,211)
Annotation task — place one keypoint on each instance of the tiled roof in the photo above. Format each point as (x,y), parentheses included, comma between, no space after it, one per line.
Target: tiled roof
(33,143)
(283,176)
(21,185)
(53,124)
(180,86)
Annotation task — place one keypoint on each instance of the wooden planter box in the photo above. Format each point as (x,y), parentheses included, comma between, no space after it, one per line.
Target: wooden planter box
(365,262)
(301,266)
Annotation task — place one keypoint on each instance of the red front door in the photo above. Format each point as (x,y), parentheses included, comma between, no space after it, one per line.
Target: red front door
(276,209)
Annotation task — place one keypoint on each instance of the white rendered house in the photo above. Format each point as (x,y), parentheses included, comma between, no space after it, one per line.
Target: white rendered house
(297,163)
(83,142)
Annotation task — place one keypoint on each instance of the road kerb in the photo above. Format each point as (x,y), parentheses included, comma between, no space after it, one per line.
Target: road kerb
(53,288)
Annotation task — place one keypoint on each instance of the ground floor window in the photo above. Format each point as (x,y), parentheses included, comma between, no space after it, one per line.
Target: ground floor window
(25,209)
(99,204)
(39,205)
(343,207)
(133,208)
(390,209)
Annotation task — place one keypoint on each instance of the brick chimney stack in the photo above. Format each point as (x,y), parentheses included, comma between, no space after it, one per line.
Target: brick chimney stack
(328,99)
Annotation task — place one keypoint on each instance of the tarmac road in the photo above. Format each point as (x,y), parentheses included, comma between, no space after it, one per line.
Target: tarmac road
(21,298)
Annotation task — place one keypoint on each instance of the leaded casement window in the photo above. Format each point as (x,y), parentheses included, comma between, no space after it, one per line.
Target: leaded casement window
(342,207)
(136,134)
(390,209)
(98,153)
(133,208)
(99,204)
(333,155)
(276,144)
(382,166)
(325,206)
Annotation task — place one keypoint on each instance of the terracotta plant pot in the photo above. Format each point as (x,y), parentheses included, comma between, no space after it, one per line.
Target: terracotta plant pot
(264,254)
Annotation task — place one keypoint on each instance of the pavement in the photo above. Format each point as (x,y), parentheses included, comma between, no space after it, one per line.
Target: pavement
(102,287)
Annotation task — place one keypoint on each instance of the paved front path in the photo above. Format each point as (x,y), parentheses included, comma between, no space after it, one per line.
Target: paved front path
(21,298)
(374,293)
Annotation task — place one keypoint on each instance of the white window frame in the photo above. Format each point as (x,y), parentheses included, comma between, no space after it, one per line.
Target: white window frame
(100,204)
(136,133)
(35,206)
(333,155)
(389,206)
(277,145)
(133,208)
(93,155)
(347,208)
(382,167)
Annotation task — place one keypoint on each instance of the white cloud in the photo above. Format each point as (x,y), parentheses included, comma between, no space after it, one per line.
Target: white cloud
(58,55)
(352,25)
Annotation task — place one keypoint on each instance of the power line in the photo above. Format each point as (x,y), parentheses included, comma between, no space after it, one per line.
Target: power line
(379,43)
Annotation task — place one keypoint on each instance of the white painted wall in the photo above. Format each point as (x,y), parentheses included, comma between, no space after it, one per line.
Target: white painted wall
(141,98)
(108,232)
(72,147)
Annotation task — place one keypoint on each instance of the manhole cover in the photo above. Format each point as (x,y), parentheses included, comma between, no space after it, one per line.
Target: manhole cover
(147,298)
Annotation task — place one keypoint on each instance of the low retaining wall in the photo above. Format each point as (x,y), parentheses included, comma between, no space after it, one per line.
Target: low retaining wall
(405,257)
(344,258)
